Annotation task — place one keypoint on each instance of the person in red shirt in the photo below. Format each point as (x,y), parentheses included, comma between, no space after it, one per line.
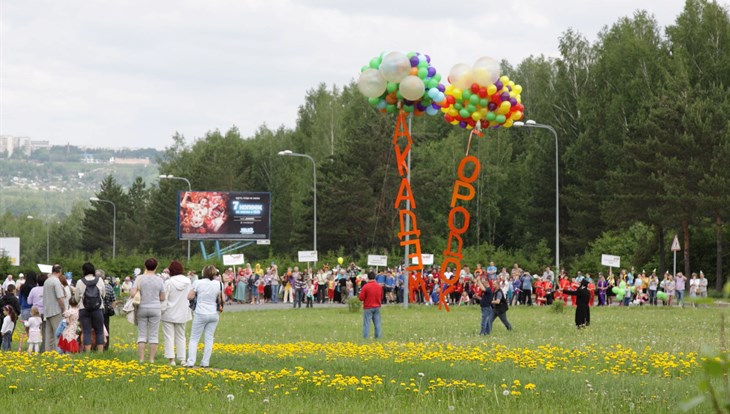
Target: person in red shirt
(370,295)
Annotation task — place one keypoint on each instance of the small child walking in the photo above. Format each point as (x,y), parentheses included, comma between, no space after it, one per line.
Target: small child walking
(229,293)
(33,324)
(68,343)
(8,326)
(310,294)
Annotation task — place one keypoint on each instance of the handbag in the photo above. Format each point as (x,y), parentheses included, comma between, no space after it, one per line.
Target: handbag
(130,310)
(138,295)
(218,301)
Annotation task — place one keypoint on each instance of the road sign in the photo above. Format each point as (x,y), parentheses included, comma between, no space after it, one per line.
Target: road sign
(427,259)
(233,259)
(675,244)
(377,260)
(610,261)
(308,256)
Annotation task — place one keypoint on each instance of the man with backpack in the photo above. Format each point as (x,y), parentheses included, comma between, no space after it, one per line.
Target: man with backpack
(90,292)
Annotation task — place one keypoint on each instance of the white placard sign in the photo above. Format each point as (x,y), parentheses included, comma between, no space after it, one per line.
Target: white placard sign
(308,256)
(10,248)
(44,268)
(425,257)
(610,261)
(233,259)
(377,260)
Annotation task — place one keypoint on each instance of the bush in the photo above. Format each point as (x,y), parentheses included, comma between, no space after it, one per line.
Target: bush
(354,304)
(558,306)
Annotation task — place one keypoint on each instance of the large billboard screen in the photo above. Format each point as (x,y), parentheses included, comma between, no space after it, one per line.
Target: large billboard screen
(223,215)
(10,248)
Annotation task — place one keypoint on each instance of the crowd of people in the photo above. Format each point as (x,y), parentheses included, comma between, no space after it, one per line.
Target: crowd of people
(54,315)
(57,315)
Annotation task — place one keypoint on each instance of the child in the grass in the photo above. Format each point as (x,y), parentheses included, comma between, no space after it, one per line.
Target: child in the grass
(229,292)
(8,326)
(464,300)
(68,342)
(35,338)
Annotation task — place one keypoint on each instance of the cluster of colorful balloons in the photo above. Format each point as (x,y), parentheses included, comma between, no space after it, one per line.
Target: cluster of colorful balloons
(478,96)
(407,81)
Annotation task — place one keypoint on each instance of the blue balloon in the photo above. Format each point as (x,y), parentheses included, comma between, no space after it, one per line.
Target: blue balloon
(431,110)
(433,93)
(381,104)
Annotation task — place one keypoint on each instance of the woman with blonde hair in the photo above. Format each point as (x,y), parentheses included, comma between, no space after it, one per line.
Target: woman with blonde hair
(208,295)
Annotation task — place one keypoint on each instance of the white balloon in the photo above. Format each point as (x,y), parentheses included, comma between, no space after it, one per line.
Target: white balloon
(395,66)
(412,88)
(371,83)
(486,70)
(460,75)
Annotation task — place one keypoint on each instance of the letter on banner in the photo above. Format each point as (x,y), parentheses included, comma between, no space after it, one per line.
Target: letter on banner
(405,193)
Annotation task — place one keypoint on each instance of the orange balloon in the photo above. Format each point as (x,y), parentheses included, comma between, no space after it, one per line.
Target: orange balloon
(414,71)
(391,98)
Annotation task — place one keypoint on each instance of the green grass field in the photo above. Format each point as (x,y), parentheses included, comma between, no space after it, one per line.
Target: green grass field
(314,360)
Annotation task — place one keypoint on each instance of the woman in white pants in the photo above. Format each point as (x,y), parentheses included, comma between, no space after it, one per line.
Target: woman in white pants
(206,291)
(177,313)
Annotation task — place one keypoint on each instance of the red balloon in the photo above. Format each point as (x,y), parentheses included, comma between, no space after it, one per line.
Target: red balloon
(450,100)
(484,123)
(482,92)
(448,118)
(474,88)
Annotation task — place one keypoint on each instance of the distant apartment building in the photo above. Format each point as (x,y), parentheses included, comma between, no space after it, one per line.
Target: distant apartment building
(130,161)
(10,144)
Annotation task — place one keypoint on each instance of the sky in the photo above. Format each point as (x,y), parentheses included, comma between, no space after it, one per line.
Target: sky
(129,73)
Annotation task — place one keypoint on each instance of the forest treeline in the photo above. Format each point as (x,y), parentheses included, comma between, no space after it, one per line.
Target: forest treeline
(644,142)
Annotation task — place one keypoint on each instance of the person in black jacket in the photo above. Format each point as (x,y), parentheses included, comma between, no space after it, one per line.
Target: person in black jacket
(485,301)
(10,299)
(582,310)
(499,303)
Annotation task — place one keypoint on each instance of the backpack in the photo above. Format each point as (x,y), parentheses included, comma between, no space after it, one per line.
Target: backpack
(92,296)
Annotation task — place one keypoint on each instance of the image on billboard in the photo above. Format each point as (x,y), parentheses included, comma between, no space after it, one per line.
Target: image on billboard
(223,215)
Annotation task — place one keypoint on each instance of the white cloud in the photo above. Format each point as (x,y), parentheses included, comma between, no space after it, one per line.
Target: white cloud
(132,73)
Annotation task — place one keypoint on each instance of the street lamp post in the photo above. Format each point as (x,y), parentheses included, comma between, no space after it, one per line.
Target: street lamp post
(114,228)
(190,188)
(532,124)
(48,240)
(288,153)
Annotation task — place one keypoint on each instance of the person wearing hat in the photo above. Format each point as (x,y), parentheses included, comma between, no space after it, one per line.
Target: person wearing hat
(176,314)
(582,310)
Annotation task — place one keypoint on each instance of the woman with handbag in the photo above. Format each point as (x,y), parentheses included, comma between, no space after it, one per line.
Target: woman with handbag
(208,295)
(152,294)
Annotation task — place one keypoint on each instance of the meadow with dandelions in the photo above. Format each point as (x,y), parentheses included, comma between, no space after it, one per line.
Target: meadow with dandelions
(643,360)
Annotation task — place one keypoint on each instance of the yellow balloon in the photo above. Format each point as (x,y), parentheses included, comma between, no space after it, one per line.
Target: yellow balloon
(511,84)
(454,122)
(449,89)
(507,123)
(340,260)
(476,116)
(491,89)
(456,93)
(504,79)
(517,89)
(505,106)
(452,111)
(445,109)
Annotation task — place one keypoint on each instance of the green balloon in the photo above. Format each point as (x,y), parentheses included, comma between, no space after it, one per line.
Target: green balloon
(374,101)
(466,94)
(615,290)
(483,103)
(432,83)
(392,87)
(398,95)
(465,113)
(474,99)
(619,297)
(423,64)
(491,116)
(390,108)
(500,119)
(364,68)
(375,62)
(471,108)
(411,54)
(458,106)
(408,108)
(437,77)
(423,73)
